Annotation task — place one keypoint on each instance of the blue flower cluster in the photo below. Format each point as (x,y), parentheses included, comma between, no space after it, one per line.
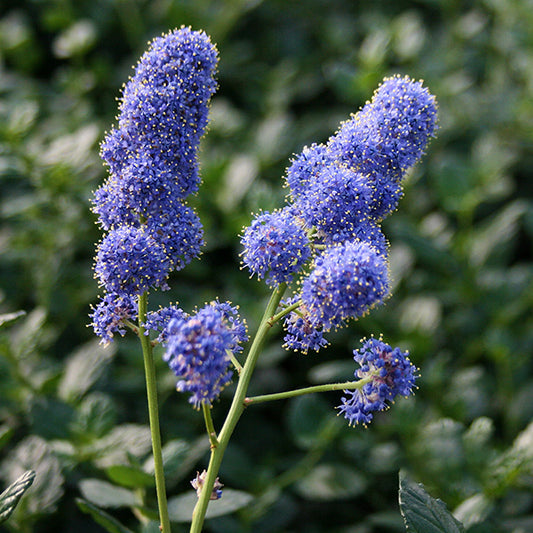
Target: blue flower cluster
(276,246)
(109,316)
(328,238)
(346,281)
(199,346)
(390,374)
(153,167)
(302,334)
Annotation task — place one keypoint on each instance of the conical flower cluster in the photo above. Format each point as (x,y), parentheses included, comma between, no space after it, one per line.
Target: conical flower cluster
(153,167)
(329,236)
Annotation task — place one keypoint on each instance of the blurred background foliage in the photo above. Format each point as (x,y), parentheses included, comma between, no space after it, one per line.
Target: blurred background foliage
(461,258)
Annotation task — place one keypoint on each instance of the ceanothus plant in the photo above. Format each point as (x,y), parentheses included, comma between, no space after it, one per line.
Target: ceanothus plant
(323,254)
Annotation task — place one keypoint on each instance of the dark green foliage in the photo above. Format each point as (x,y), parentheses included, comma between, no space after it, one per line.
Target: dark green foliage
(461,260)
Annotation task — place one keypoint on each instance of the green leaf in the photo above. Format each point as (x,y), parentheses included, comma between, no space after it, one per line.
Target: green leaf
(474,510)
(34,453)
(422,513)
(129,476)
(180,507)
(10,318)
(95,416)
(105,494)
(83,368)
(101,517)
(6,433)
(11,496)
(514,464)
(27,336)
(331,482)
(120,442)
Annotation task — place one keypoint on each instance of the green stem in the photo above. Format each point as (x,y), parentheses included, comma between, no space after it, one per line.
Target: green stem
(234,361)
(308,390)
(206,409)
(153,413)
(235,411)
(284,312)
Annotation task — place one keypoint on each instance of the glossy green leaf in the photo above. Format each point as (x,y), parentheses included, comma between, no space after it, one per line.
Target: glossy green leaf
(105,494)
(514,464)
(122,441)
(424,514)
(10,318)
(129,476)
(83,368)
(474,510)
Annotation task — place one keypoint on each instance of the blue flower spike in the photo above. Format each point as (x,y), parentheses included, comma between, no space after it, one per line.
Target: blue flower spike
(152,159)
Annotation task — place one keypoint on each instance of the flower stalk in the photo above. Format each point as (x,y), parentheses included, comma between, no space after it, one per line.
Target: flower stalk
(348,385)
(153,414)
(235,411)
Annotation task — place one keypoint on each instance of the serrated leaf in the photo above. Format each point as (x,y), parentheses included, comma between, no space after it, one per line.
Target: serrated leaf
(11,496)
(105,494)
(180,507)
(331,482)
(34,453)
(129,476)
(82,370)
(110,524)
(424,514)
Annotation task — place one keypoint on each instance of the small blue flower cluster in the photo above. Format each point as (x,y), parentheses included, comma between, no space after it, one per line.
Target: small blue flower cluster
(390,374)
(153,165)
(328,238)
(199,348)
(276,246)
